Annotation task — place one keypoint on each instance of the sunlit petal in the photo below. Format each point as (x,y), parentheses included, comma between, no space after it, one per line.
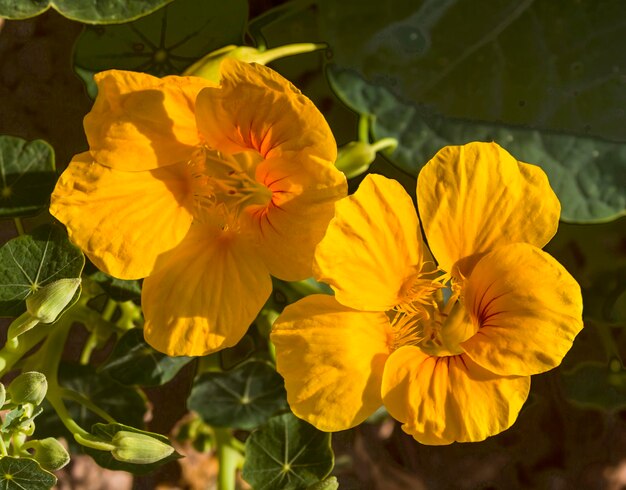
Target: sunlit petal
(205,294)
(140,122)
(332,359)
(441,400)
(528,307)
(476,197)
(122,220)
(372,246)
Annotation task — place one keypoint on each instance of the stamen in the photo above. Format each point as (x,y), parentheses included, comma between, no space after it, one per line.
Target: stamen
(418,296)
(406,329)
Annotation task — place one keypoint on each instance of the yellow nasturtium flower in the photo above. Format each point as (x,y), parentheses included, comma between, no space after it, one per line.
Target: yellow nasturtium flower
(455,370)
(204,189)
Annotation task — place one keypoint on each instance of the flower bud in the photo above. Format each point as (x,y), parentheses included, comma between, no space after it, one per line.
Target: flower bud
(355,158)
(29,387)
(133,447)
(49,453)
(209,66)
(47,303)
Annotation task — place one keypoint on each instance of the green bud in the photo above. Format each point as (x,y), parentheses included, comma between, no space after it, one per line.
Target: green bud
(47,303)
(209,66)
(355,158)
(29,387)
(132,447)
(49,453)
(3,395)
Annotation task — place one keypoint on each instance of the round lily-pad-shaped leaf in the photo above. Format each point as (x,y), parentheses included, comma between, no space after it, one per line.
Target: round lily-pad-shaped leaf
(165,42)
(597,385)
(24,473)
(586,173)
(134,362)
(87,11)
(27,176)
(242,398)
(32,261)
(287,454)
(105,459)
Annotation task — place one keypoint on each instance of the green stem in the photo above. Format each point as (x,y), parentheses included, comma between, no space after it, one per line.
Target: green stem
(109,309)
(265,57)
(85,402)
(10,355)
(364,128)
(90,345)
(228,458)
(384,143)
(19,226)
(3,446)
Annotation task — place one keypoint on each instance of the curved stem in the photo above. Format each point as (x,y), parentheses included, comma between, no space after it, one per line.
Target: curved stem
(228,458)
(19,226)
(85,402)
(384,143)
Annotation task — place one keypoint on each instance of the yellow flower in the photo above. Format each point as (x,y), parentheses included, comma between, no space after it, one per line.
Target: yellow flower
(455,370)
(203,189)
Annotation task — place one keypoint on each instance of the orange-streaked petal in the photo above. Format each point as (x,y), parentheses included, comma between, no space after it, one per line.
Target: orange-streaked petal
(440,400)
(205,293)
(122,220)
(303,202)
(476,197)
(332,359)
(372,247)
(528,307)
(140,122)
(256,108)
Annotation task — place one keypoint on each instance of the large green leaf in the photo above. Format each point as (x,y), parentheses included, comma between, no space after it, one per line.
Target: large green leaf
(27,176)
(106,459)
(165,42)
(88,11)
(117,289)
(243,398)
(134,362)
(550,64)
(24,473)
(586,173)
(287,454)
(32,261)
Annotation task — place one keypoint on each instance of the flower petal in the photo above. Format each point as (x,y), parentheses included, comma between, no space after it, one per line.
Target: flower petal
(205,294)
(441,400)
(122,220)
(256,108)
(476,197)
(372,246)
(303,202)
(332,360)
(140,122)
(529,309)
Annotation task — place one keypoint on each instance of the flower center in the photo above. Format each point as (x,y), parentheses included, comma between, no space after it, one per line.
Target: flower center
(437,331)
(225,184)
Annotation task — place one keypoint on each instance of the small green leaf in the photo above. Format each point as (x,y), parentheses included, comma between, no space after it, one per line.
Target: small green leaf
(328,484)
(287,454)
(105,459)
(243,398)
(165,42)
(87,11)
(12,419)
(586,173)
(118,289)
(134,362)
(595,385)
(35,260)
(27,176)
(24,473)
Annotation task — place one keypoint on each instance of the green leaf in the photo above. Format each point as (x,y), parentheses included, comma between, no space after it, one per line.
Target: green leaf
(24,473)
(328,484)
(27,176)
(586,173)
(87,11)
(243,398)
(12,419)
(287,454)
(597,385)
(106,459)
(35,260)
(118,289)
(165,42)
(550,65)
(134,362)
